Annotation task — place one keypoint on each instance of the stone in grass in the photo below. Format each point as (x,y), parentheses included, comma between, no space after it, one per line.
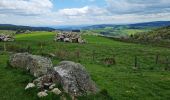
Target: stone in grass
(56,91)
(30,85)
(52,86)
(42,94)
(36,65)
(75,79)
(46,81)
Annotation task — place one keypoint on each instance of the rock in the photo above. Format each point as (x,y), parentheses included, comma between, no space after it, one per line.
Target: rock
(42,94)
(19,60)
(80,40)
(45,81)
(74,78)
(46,91)
(52,86)
(36,65)
(27,32)
(67,40)
(30,85)
(69,37)
(56,91)
(52,55)
(6,38)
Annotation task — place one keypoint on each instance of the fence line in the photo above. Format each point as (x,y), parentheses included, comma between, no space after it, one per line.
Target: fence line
(96,57)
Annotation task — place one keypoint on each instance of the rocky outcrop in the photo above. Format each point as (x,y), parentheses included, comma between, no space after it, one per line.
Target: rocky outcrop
(69,37)
(74,78)
(36,65)
(46,81)
(6,38)
(30,85)
(42,94)
(56,91)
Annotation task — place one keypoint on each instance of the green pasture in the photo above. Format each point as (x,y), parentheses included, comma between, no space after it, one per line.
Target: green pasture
(150,82)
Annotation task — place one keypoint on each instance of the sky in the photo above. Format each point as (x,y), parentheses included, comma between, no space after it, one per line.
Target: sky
(82,12)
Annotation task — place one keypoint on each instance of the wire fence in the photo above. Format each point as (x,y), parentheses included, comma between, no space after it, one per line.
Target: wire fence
(136,62)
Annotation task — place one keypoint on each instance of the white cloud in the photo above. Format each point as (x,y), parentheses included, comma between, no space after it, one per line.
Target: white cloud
(84,11)
(41,12)
(137,6)
(25,7)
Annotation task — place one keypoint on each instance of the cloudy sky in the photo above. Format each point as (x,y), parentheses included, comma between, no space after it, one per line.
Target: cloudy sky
(80,12)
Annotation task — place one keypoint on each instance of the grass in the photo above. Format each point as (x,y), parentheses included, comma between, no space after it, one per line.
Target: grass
(150,82)
(133,31)
(116,32)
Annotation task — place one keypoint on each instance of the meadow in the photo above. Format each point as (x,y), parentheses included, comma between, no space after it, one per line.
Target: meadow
(117,32)
(150,82)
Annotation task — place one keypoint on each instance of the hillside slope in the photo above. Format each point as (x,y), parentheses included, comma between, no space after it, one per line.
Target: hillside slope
(160,34)
(16,27)
(126,29)
(150,24)
(131,26)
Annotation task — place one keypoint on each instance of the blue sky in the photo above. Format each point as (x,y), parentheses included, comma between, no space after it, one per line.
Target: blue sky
(82,12)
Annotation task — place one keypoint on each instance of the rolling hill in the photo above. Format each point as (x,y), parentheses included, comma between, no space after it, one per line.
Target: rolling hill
(17,27)
(155,35)
(131,26)
(125,30)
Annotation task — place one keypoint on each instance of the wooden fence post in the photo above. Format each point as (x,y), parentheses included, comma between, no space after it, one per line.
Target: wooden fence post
(167,67)
(5,46)
(29,49)
(156,59)
(41,46)
(136,61)
(78,55)
(93,55)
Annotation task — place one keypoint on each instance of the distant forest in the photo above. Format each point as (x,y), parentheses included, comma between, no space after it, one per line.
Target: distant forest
(22,28)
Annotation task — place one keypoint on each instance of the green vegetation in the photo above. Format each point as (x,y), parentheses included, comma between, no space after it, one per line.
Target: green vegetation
(160,36)
(157,34)
(133,31)
(150,82)
(115,31)
(7,32)
(23,28)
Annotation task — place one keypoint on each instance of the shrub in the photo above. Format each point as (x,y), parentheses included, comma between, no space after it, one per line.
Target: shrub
(109,61)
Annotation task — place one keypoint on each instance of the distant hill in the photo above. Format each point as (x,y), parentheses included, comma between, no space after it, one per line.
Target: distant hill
(154,35)
(17,27)
(155,24)
(159,37)
(124,30)
(69,27)
(150,24)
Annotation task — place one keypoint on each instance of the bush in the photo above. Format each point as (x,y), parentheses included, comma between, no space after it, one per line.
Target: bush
(109,61)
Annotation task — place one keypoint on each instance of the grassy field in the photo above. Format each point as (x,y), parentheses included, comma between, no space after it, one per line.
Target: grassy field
(116,32)
(132,31)
(150,82)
